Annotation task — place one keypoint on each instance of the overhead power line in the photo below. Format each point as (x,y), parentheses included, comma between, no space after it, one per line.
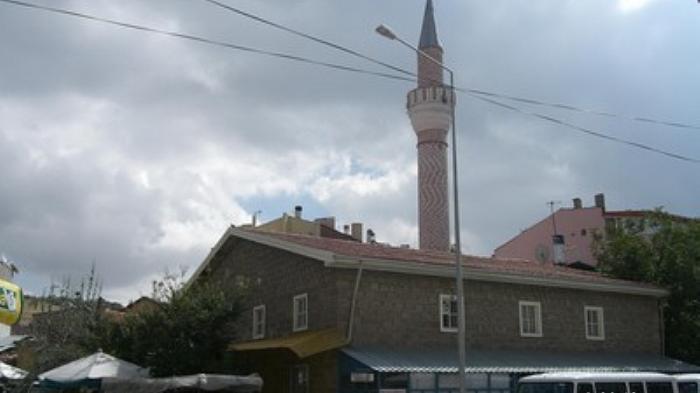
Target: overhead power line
(509,97)
(205,40)
(308,36)
(587,130)
(342,68)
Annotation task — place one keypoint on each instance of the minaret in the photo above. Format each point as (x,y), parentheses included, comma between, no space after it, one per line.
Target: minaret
(429,109)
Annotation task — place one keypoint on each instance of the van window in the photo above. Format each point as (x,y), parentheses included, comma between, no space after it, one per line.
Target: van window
(687,387)
(659,387)
(610,387)
(546,387)
(584,388)
(636,387)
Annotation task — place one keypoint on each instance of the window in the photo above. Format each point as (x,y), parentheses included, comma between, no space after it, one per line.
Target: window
(659,387)
(611,387)
(258,322)
(687,387)
(501,381)
(424,382)
(586,388)
(448,313)
(450,381)
(299,379)
(594,323)
(300,308)
(546,387)
(530,319)
(636,387)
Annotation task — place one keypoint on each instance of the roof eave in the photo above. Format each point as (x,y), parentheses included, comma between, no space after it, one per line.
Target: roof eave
(232,231)
(333,260)
(500,277)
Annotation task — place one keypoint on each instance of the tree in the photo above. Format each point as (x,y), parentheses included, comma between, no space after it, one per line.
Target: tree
(63,330)
(663,250)
(187,332)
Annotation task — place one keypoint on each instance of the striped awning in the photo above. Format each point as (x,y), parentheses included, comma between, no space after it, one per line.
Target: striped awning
(482,361)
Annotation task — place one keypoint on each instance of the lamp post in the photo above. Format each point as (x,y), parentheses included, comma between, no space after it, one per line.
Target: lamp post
(385,31)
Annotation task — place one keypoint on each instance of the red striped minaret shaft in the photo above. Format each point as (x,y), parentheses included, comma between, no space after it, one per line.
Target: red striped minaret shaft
(429,109)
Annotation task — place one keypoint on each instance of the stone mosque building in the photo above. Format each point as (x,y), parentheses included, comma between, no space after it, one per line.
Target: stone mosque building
(327,313)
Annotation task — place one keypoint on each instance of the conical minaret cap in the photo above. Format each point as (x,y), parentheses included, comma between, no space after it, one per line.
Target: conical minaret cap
(428,35)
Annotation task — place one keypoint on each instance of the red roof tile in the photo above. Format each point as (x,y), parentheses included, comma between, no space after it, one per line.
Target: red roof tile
(407,255)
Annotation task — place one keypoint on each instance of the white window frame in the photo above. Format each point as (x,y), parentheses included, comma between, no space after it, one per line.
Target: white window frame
(296,320)
(601,322)
(441,313)
(538,318)
(259,334)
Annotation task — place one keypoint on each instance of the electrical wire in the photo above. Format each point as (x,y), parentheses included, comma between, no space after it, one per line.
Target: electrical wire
(587,130)
(207,40)
(309,37)
(509,97)
(341,67)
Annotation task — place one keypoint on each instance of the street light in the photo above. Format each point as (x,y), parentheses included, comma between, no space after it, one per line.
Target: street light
(385,31)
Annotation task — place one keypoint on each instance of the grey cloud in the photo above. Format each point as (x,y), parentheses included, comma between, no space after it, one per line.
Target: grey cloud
(209,127)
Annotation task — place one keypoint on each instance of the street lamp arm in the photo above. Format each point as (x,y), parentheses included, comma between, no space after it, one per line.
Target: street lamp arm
(387,32)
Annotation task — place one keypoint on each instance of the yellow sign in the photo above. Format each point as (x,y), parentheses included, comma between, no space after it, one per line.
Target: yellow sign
(10,303)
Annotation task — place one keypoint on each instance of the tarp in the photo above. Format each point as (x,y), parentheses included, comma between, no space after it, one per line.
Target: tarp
(302,344)
(10,372)
(94,367)
(10,342)
(10,302)
(208,382)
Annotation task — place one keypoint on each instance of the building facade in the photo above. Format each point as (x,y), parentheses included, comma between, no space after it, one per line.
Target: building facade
(329,315)
(334,314)
(577,227)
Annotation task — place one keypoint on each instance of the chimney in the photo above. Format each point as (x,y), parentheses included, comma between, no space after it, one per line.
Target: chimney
(346,229)
(577,203)
(600,201)
(328,222)
(297,211)
(357,231)
(371,237)
(558,247)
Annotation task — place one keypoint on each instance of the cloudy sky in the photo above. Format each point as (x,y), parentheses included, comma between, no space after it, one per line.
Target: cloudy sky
(136,150)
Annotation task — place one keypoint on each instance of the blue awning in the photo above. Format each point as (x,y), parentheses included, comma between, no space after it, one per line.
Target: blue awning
(483,361)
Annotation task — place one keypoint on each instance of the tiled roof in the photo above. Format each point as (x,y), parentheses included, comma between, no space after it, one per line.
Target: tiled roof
(520,267)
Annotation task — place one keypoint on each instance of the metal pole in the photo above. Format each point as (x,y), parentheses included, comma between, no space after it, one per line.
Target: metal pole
(461,320)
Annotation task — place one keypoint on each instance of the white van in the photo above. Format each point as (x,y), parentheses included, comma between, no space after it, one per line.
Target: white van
(688,383)
(580,382)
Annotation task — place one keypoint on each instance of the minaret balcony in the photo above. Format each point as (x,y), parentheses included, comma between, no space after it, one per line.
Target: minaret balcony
(430,108)
(432,94)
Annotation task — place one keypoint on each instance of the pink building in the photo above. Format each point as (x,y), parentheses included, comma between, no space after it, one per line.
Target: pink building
(576,228)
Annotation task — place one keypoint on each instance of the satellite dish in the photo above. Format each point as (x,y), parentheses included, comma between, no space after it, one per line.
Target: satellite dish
(542,253)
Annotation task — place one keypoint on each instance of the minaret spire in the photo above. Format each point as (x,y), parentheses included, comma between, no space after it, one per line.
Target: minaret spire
(428,34)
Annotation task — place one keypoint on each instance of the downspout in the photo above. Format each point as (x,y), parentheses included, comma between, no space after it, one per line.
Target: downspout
(353,303)
(662,328)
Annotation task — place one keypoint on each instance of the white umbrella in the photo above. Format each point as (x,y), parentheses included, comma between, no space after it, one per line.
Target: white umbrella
(96,366)
(10,372)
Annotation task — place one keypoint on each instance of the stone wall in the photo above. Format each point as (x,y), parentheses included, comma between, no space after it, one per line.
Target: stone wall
(274,277)
(403,310)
